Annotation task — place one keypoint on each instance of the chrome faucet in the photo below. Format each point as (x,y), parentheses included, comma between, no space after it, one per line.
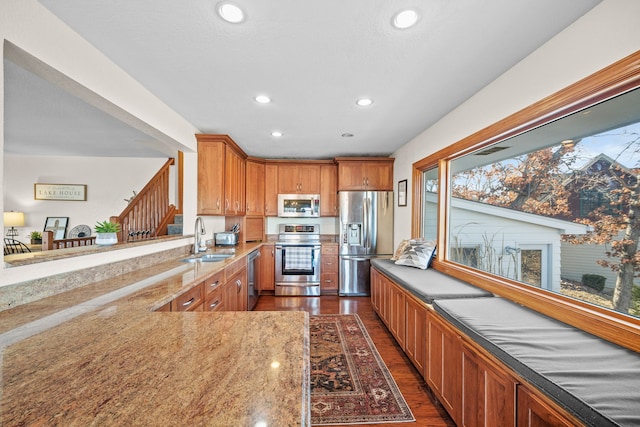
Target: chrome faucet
(198,245)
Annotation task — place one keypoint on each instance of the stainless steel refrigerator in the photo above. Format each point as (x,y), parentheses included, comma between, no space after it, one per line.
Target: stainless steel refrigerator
(366,231)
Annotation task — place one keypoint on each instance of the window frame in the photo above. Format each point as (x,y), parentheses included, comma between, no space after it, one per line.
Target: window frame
(618,78)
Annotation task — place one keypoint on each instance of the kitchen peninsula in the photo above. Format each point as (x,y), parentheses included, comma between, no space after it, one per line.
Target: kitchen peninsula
(101,355)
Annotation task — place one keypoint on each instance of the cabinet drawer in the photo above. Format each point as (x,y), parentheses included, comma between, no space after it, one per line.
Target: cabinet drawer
(213,283)
(214,301)
(329,249)
(329,264)
(328,282)
(235,267)
(188,301)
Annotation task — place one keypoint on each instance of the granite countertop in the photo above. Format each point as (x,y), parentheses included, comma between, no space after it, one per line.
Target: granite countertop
(99,355)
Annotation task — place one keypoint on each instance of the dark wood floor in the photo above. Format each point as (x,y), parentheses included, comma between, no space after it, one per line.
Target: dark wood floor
(413,388)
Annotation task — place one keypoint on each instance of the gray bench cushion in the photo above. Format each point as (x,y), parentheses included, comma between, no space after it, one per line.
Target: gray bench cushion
(428,284)
(594,379)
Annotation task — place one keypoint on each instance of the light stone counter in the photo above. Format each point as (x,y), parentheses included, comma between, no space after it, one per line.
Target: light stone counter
(98,355)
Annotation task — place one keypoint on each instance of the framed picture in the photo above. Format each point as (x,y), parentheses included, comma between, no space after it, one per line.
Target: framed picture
(402,193)
(57,224)
(72,192)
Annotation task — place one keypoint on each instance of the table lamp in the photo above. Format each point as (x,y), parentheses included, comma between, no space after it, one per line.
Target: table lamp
(13,219)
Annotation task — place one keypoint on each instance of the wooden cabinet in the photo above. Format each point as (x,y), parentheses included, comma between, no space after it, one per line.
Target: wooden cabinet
(234,182)
(396,312)
(255,187)
(475,388)
(189,301)
(328,190)
(267,267)
(361,173)
(488,392)
(211,157)
(166,307)
(415,345)
(253,228)
(534,410)
(444,365)
(271,189)
(298,178)
(213,296)
(329,268)
(377,290)
(235,290)
(221,176)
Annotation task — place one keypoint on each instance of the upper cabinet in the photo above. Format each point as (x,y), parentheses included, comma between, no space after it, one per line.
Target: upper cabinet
(328,190)
(255,186)
(365,173)
(298,178)
(234,182)
(221,176)
(211,160)
(271,189)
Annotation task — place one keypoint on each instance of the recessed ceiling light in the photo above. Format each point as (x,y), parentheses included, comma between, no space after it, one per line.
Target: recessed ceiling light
(363,102)
(405,19)
(276,133)
(262,99)
(230,13)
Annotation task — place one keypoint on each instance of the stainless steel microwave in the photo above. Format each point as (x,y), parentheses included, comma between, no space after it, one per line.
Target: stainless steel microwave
(299,205)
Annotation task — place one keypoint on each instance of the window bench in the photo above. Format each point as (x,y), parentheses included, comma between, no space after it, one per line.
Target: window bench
(492,362)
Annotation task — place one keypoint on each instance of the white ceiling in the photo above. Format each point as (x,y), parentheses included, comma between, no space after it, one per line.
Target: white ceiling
(313,58)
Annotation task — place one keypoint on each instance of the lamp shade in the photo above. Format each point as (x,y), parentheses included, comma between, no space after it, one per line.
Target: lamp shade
(14,219)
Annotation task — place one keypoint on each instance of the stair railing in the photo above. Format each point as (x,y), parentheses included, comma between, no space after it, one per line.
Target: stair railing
(149,212)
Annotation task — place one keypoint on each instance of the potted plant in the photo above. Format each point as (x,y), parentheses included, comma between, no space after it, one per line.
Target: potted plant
(36,238)
(106,232)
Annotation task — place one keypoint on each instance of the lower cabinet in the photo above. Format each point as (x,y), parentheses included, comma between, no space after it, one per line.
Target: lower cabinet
(213,286)
(535,411)
(473,387)
(235,291)
(444,365)
(395,312)
(216,293)
(267,267)
(189,301)
(488,392)
(329,269)
(415,342)
(377,284)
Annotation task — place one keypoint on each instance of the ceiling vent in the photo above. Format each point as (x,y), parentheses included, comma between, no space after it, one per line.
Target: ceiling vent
(490,150)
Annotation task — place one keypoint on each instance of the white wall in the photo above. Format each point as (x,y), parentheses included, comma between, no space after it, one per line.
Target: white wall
(30,27)
(107,187)
(606,34)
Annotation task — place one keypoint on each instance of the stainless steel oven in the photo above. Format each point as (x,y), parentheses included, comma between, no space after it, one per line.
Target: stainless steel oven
(297,258)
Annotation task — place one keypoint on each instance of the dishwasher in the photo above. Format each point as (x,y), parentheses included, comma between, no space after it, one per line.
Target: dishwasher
(253,277)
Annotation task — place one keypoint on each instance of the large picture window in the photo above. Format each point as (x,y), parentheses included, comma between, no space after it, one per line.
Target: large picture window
(544,206)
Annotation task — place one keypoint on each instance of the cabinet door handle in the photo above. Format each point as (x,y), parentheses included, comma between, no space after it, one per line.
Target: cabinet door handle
(188,303)
(218,204)
(214,304)
(239,285)
(226,204)
(214,284)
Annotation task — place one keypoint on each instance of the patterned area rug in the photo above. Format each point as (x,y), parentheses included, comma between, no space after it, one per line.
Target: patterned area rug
(350,383)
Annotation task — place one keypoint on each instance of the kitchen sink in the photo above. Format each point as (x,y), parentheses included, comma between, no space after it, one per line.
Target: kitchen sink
(207,258)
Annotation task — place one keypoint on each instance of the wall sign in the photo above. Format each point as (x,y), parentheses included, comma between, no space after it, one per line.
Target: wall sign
(74,192)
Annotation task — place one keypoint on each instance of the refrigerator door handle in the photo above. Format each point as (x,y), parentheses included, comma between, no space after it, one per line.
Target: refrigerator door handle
(355,258)
(366,208)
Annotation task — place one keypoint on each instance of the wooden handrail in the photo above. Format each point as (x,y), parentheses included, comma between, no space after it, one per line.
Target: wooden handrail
(149,213)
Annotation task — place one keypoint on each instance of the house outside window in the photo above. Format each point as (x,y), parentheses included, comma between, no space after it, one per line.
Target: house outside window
(547,206)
